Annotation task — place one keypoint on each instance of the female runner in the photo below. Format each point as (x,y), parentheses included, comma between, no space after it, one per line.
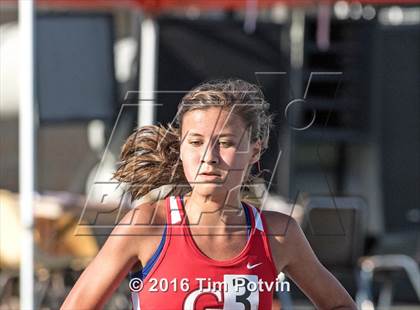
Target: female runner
(201,246)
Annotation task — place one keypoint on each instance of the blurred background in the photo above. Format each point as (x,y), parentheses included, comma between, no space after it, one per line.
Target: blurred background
(342,78)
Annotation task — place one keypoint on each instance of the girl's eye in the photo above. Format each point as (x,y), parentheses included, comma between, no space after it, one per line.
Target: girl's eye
(221,143)
(226,143)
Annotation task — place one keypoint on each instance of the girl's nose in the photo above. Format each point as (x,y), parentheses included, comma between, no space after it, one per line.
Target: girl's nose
(211,155)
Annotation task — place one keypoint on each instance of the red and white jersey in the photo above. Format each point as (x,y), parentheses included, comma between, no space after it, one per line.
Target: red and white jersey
(183,277)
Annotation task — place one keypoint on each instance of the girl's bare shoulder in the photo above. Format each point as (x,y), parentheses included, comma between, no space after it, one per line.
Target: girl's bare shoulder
(281,226)
(142,227)
(145,217)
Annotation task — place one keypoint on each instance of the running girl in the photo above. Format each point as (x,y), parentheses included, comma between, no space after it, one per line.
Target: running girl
(203,229)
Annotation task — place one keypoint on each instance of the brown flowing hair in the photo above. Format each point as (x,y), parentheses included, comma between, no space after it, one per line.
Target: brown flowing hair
(150,157)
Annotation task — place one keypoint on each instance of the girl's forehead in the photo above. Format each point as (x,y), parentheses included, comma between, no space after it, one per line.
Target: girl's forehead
(212,119)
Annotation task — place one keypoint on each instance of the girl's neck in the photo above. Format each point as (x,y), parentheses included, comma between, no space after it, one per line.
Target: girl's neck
(215,213)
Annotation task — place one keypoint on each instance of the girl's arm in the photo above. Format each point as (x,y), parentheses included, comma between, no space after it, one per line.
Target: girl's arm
(109,268)
(295,258)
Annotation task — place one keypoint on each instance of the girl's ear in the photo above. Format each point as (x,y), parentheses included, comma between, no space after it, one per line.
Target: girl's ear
(256,152)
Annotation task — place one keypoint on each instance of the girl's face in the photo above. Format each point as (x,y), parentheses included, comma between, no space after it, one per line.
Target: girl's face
(216,150)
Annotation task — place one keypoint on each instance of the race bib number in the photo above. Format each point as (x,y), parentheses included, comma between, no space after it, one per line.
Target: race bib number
(240,292)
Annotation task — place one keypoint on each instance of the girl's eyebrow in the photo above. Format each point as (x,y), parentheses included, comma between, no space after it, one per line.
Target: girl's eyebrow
(194,134)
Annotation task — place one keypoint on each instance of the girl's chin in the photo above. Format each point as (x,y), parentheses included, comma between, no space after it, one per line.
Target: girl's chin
(209,188)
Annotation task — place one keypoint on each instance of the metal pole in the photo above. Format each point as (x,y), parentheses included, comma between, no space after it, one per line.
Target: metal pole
(147,79)
(26,151)
(297,39)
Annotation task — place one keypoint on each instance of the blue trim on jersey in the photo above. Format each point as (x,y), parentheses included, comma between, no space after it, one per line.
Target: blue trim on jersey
(248,220)
(149,265)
